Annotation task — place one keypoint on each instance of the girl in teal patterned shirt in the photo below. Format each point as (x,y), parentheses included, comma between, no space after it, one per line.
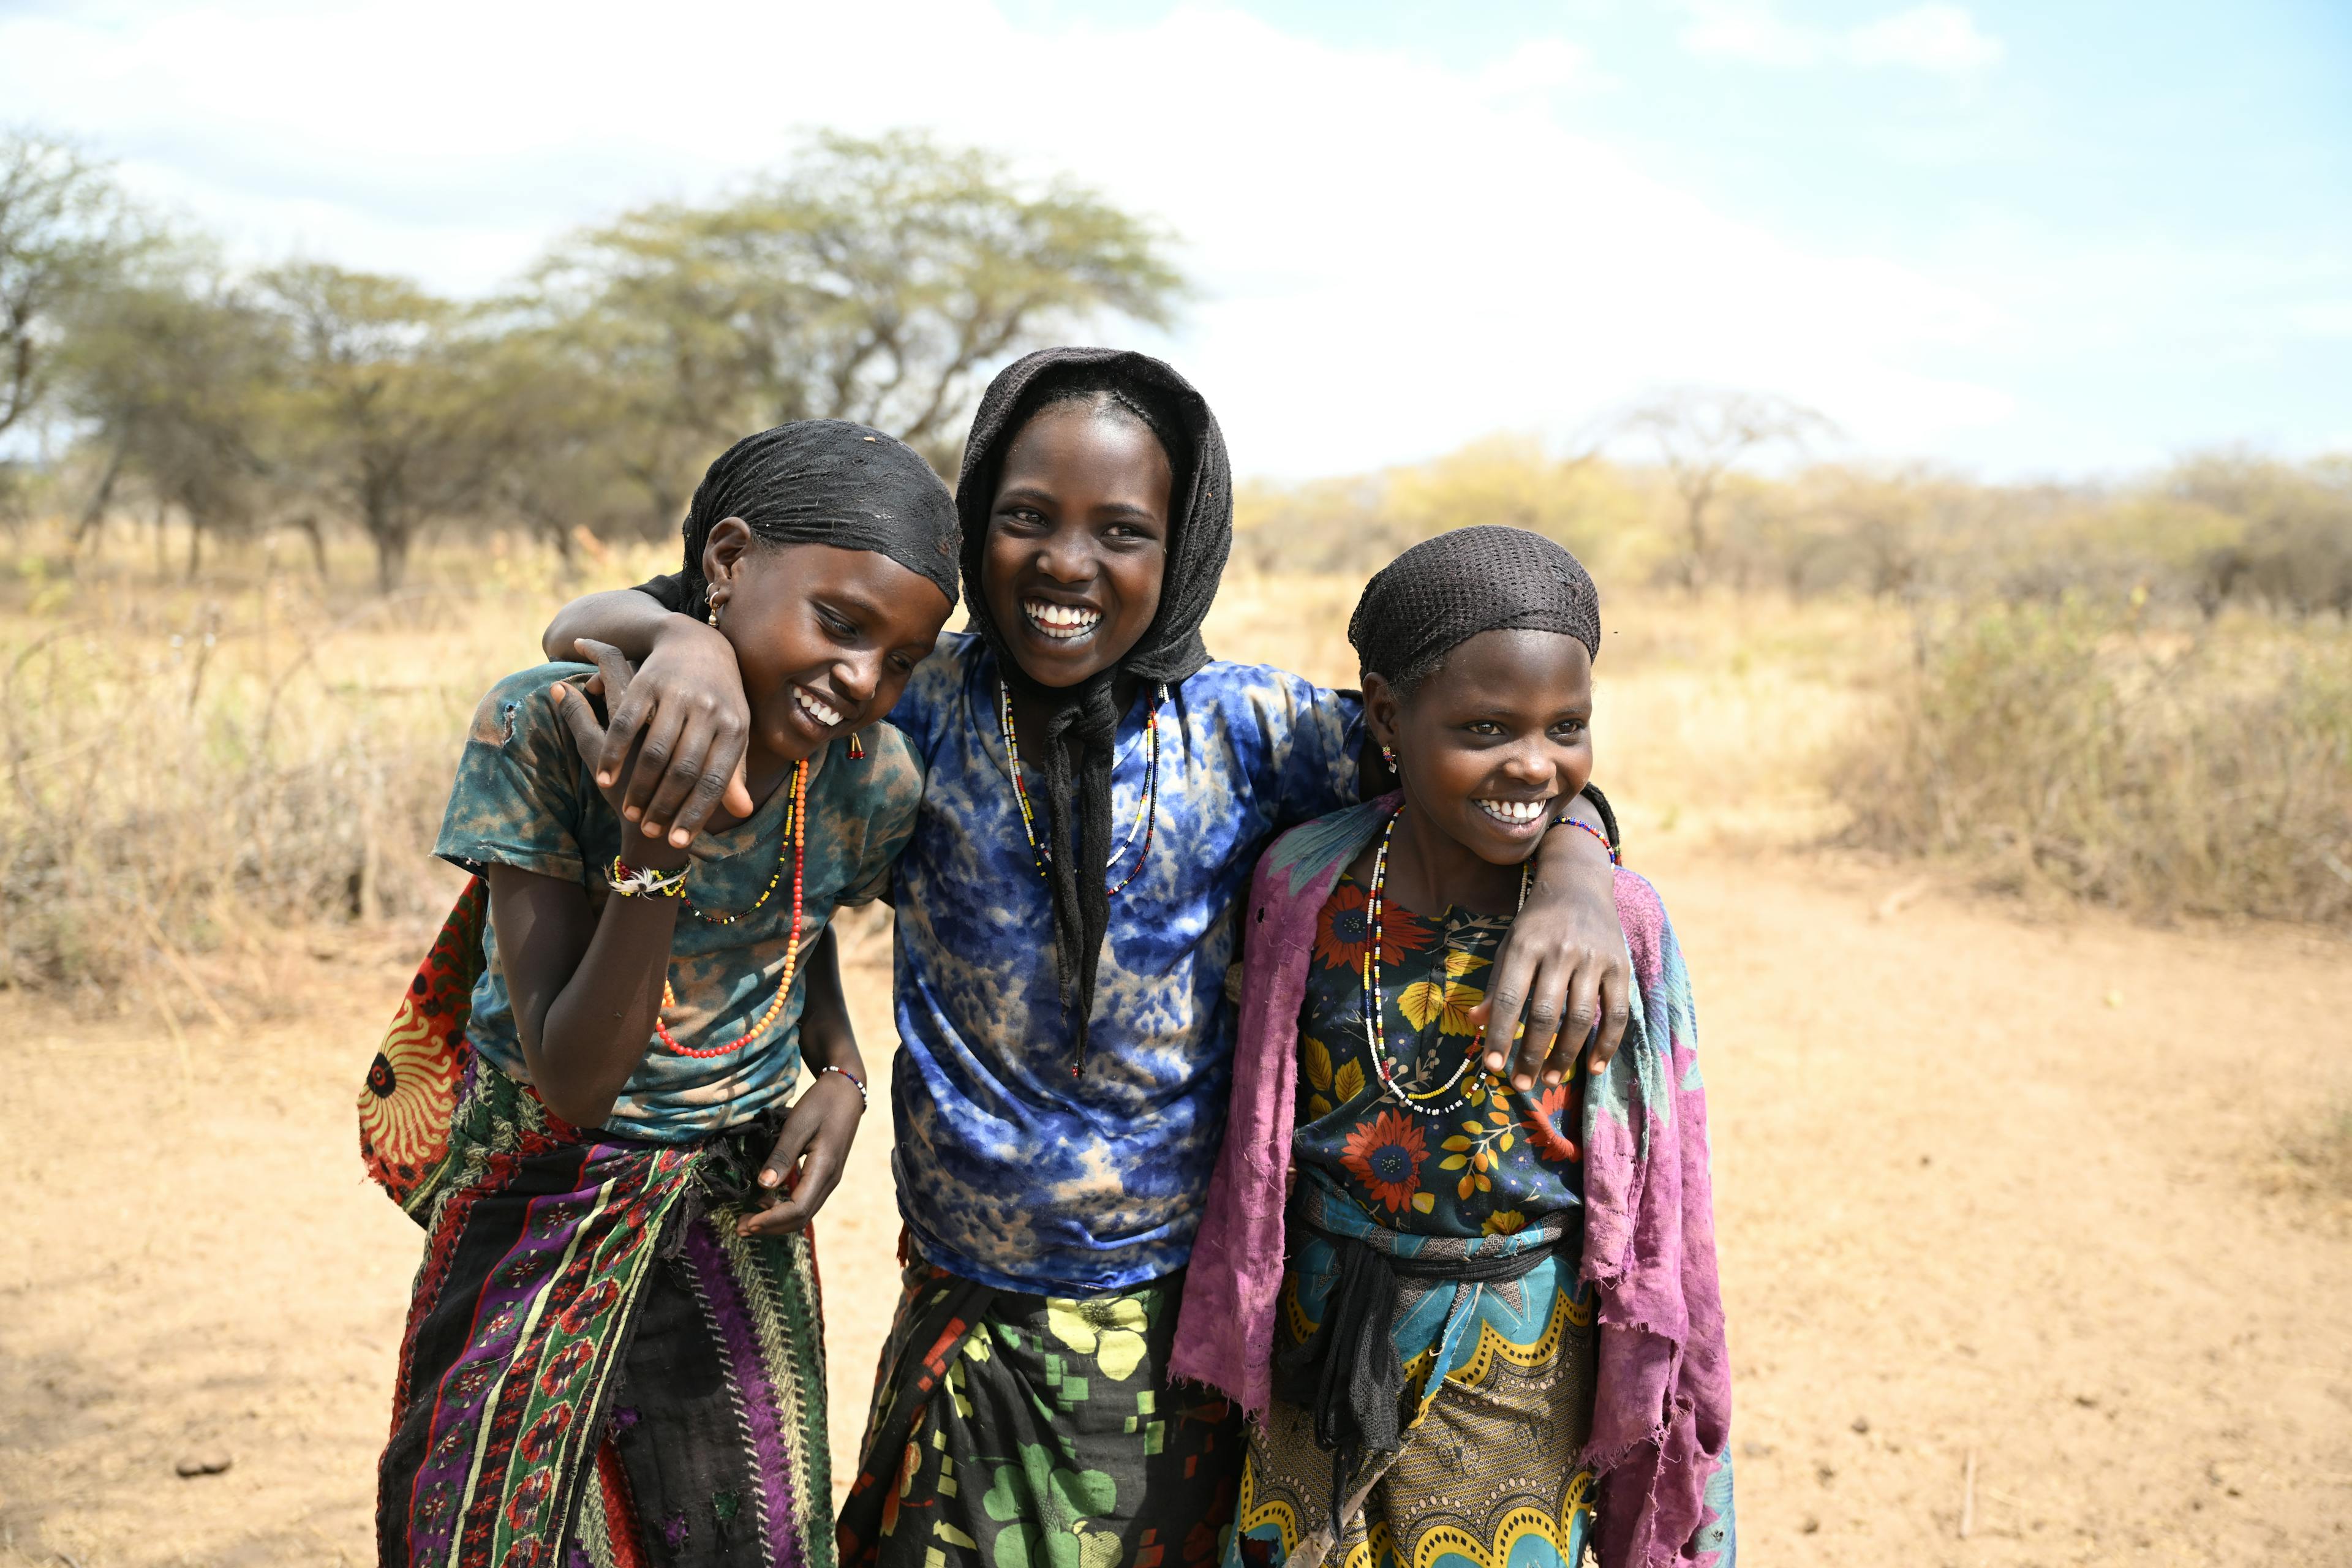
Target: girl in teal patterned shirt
(614,1353)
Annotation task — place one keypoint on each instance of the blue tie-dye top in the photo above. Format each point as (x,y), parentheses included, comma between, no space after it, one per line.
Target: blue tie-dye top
(1010,1170)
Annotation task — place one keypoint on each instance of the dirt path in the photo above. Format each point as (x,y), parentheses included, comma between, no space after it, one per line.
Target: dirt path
(1985,1185)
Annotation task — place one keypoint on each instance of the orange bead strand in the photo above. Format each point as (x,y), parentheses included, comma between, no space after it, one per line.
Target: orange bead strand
(798,828)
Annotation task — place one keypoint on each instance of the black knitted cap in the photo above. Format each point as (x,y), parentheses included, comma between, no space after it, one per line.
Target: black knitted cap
(1444,591)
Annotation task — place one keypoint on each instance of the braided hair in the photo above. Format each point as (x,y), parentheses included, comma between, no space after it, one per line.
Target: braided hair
(1101,391)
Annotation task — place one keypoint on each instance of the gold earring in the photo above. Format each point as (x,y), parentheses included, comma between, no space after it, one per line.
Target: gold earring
(714,610)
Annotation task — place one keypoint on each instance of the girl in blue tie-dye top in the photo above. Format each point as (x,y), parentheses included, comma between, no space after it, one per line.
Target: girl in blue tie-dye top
(1097,790)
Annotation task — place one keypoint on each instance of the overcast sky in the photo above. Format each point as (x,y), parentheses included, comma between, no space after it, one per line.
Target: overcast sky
(2048,237)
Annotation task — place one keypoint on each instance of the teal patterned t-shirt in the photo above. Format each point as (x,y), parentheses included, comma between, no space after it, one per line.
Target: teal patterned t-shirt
(523,797)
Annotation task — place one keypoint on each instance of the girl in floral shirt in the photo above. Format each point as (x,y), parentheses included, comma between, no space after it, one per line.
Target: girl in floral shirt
(1423,1276)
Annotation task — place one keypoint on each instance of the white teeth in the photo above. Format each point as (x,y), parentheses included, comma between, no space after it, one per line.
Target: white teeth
(815,707)
(1517,813)
(1060,620)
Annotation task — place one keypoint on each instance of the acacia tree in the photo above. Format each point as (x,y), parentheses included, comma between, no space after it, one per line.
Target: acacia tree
(177,377)
(1700,436)
(394,407)
(64,231)
(871,279)
(567,468)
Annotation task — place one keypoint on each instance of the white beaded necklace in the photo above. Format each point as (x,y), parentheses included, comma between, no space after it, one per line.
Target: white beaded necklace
(1375,1029)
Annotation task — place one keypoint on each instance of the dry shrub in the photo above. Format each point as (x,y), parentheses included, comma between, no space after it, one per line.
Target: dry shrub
(2322,1156)
(1352,526)
(1711,715)
(2206,770)
(204,768)
(145,809)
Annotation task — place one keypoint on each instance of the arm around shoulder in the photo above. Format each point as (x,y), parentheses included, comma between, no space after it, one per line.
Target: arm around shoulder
(685,708)
(628,618)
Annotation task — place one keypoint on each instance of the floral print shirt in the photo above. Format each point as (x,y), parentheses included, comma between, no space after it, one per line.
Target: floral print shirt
(1496,1163)
(1011,1171)
(523,797)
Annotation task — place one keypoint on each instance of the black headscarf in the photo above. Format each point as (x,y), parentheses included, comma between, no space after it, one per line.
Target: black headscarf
(826,482)
(1444,591)
(1085,718)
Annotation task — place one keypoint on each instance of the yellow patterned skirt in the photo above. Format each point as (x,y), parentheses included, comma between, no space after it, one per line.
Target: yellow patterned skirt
(1490,1475)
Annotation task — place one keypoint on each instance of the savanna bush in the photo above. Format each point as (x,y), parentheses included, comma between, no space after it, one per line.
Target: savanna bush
(151,806)
(2074,743)
(194,772)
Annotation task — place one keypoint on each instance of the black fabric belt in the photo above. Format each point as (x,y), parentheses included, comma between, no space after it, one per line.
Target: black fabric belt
(1348,1373)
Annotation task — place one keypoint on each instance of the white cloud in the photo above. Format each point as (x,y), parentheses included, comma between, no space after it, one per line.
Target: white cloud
(1751,30)
(1940,38)
(1539,66)
(1395,257)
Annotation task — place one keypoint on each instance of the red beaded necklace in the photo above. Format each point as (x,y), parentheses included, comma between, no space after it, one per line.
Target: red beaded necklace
(790,812)
(796,832)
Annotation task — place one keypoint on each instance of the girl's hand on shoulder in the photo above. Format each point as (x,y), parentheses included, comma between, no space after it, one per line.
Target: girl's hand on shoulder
(816,1137)
(1563,967)
(613,679)
(686,714)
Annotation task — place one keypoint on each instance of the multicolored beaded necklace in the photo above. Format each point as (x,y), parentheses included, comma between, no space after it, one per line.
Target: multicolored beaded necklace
(795,824)
(792,815)
(1375,1030)
(1144,815)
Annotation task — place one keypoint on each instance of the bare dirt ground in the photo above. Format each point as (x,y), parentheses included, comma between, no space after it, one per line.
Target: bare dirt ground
(1988,1184)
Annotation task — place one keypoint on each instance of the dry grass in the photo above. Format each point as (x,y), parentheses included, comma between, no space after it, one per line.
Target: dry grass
(201,774)
(206,778)
(1713,717)
(2164,770)
(2311,1161)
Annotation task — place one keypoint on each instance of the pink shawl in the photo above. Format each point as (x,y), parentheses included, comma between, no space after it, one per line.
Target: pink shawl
(1661,1430)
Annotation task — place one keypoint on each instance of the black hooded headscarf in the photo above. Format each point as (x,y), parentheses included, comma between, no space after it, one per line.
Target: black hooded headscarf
(1084,718)
(825,481)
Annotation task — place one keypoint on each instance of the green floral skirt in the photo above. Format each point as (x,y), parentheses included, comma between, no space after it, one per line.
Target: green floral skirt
(1014,1431)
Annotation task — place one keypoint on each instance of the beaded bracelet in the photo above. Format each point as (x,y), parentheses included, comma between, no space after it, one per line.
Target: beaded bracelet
(854,1082)
(1597,834)
(629,881)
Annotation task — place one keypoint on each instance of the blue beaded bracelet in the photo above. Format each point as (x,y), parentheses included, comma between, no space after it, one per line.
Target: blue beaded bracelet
(852,1077)
(1614,860)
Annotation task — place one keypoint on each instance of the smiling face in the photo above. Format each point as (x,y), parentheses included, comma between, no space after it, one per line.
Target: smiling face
(826,637)
(1078,541)
(1494,744)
